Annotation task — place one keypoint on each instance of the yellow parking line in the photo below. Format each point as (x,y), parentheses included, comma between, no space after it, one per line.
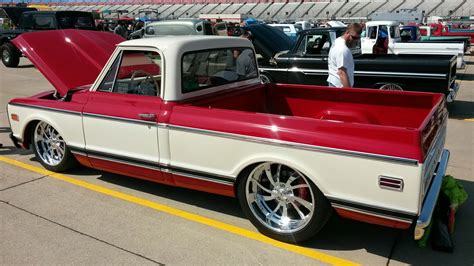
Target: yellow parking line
(186,215)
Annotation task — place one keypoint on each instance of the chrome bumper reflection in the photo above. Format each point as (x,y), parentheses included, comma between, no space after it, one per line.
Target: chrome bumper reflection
(453,91)
(432,197)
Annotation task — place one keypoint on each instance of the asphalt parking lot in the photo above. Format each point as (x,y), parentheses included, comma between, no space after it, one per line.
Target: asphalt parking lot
(91,217)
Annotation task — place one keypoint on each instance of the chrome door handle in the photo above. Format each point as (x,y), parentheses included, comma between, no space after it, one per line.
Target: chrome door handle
(149,117)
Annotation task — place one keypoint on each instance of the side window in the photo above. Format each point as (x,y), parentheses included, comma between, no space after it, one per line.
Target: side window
(134,72)
(27,21)
(43,22)
(211,68)
(318,44)
(372,32)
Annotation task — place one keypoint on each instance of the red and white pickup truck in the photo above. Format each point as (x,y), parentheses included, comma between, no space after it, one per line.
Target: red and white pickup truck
(192,112)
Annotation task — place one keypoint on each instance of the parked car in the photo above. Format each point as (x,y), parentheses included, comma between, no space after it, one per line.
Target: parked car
(176,110)
(40,21)
(389,33)
(412,34)
(289,29)
(306,63)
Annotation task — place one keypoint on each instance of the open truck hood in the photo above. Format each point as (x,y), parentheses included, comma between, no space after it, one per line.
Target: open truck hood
(68,58)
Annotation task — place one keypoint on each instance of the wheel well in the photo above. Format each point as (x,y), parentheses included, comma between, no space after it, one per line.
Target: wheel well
(242,173)
(28,133)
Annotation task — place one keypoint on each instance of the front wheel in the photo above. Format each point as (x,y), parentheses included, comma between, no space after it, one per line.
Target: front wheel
(10,55)
(282,203)
(51,149)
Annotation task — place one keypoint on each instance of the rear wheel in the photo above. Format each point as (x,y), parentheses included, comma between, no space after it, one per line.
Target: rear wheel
(282,203)
(10,55)
(391,87)
(51,149)
(265,78)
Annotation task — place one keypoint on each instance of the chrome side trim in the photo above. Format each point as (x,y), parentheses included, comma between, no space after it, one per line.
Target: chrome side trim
(46,108)
(272,69)
(294,145)
(309,71)
(432,197)
(114,118)
(226,180)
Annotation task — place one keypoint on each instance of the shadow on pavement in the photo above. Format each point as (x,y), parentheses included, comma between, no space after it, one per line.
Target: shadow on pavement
(461,110)
(465,76)
(339,234)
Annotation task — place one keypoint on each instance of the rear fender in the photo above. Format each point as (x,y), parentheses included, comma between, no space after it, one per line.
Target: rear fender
(260,158)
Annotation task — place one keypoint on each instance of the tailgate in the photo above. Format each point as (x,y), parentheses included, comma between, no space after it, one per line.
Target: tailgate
(433,135)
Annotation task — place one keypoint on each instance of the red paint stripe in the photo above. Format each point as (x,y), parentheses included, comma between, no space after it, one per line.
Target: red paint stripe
(372,219)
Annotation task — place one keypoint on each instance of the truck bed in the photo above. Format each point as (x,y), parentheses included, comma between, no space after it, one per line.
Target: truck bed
(318,115)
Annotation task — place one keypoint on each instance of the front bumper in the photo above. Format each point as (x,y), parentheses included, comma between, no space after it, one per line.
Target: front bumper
(453,92)
(15,141)
(432,197)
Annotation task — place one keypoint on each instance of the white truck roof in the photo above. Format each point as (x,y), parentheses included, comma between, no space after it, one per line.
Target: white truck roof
(382,22)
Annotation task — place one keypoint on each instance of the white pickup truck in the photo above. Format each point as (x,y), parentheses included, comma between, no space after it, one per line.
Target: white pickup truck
(388,34)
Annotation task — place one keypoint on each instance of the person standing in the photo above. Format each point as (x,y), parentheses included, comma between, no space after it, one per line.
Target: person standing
(340,61)
(120,30)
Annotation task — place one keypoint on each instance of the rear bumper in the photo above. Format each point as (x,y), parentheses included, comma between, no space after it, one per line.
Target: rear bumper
(453,91)
(432,197)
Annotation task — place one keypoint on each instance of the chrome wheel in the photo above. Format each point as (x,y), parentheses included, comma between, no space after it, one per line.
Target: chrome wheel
(391,87)
(280,197)
(265,79)
(6,55)
(50,146)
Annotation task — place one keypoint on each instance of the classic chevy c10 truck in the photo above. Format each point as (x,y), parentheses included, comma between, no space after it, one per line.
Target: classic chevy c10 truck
(191,111)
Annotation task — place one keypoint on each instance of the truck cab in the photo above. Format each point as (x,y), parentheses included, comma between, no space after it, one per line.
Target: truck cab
(384,37)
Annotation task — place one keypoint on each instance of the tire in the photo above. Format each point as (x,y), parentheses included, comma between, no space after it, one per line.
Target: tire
(286,206)
(265,78)
(50,148)
(391,87)
(10,55)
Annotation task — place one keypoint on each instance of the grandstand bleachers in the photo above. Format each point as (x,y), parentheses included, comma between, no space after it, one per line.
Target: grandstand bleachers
(332,9)
(301,11)
(234,7)
(428,5)
(316,10)
(269,10)
(246,8)
(348,7)
(219,8)
(447,6)
(272,10)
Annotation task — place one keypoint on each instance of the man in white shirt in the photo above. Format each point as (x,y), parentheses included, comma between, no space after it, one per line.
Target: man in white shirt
(340,61)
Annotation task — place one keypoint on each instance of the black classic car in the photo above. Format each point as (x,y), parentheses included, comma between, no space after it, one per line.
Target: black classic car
(26,20)
(305,62)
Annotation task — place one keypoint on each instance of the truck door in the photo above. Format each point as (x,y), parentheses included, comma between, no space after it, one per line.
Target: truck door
(309,62)
(120,117)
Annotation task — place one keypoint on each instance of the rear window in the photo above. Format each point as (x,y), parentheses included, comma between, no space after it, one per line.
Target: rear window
(75,21)
(161,30)
(211,68)
(44,22)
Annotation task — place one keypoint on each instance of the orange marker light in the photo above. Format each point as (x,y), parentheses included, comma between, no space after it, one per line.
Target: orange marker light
(15,117)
